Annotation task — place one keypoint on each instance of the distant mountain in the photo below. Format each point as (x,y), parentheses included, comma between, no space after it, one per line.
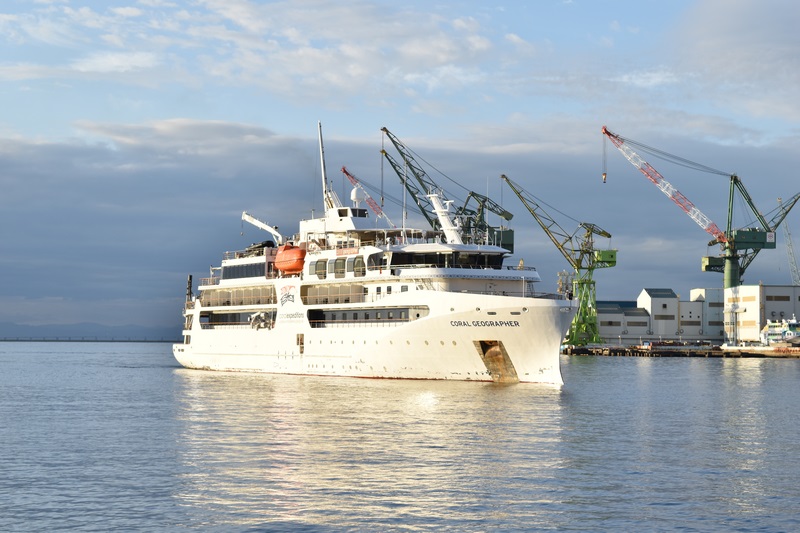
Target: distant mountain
(88,331)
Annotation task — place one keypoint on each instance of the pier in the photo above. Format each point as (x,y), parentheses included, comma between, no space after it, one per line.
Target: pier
(684,350)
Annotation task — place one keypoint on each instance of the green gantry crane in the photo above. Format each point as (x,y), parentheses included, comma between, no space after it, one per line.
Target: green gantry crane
(739,246)
(583,257)
(474,227)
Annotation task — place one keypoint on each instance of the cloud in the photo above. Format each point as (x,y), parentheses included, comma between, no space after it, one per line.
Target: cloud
(648,79)
(744,55)
(107,62)
(127,11)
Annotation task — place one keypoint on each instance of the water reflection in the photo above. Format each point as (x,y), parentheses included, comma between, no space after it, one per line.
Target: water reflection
(349,453)
(695,438)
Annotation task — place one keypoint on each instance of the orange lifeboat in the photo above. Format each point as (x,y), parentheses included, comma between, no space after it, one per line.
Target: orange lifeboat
(290,259)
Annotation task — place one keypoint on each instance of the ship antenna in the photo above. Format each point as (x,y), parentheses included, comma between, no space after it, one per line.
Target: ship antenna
(325,190)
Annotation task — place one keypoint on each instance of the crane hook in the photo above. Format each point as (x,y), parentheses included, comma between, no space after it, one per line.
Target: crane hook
(605,167)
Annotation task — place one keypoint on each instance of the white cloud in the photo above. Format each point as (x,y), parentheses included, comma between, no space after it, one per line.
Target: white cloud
(108,62)
(648,79)
(744,55)
(127,11)
(24,71)
(466,24)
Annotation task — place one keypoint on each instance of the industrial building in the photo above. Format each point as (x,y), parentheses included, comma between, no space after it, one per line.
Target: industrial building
(732,316)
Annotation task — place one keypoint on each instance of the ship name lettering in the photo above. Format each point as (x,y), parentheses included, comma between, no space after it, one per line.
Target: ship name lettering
(484,324)
(496,323)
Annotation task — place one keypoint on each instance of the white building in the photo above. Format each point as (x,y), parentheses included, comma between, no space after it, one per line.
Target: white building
(732,316)
(748,307)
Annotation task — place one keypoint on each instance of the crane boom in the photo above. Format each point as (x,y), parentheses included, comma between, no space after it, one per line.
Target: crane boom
(471,223)
(247,217)
(582,256)
(419,196)
(370,202)
(666,187)
(426,184)
(552,229)
(790,249)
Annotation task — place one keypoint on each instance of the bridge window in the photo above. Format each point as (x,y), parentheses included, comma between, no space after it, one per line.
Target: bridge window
(339,267)
(320,269)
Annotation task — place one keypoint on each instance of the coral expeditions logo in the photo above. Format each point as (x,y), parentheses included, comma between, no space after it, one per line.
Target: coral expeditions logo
(287,294)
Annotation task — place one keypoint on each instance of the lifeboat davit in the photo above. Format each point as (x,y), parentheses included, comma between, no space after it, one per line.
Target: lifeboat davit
(290,259)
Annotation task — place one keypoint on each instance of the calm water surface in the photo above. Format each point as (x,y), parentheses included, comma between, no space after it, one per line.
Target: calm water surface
(115,436)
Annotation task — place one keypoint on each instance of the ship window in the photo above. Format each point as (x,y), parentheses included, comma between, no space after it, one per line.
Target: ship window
(343,212)
(389,290)
(339,267)
(320,269)
(358,267)
(403,288)
(350,261)
(366,315)
(250,270)
(391,315)
(330,266)
(378,315)
(378,291)
(355,316)
(374,260)
(402,315)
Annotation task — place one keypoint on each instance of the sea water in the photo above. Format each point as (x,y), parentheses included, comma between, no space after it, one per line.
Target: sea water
(116,436)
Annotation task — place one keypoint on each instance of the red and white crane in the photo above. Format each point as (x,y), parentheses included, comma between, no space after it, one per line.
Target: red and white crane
(367,198)
(666,187)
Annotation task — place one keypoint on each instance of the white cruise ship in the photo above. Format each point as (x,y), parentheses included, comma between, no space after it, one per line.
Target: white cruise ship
(344,298)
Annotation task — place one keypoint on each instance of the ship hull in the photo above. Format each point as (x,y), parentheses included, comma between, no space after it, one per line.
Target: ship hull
(464,337)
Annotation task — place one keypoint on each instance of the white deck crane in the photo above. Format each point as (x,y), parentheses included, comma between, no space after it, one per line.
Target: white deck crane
(247,217)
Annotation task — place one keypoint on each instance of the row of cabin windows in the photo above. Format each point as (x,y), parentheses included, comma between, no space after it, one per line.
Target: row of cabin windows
(454,259)
(318,317)
(338,267)
(397,314)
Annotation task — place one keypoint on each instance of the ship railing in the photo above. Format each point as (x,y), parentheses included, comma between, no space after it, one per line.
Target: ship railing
(521,268)
(223,300)
(255,252)
(460,266)
(225,325)
(214,280)
(517,294)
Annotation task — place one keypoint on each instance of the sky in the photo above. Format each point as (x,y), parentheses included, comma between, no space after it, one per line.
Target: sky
(134,133)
